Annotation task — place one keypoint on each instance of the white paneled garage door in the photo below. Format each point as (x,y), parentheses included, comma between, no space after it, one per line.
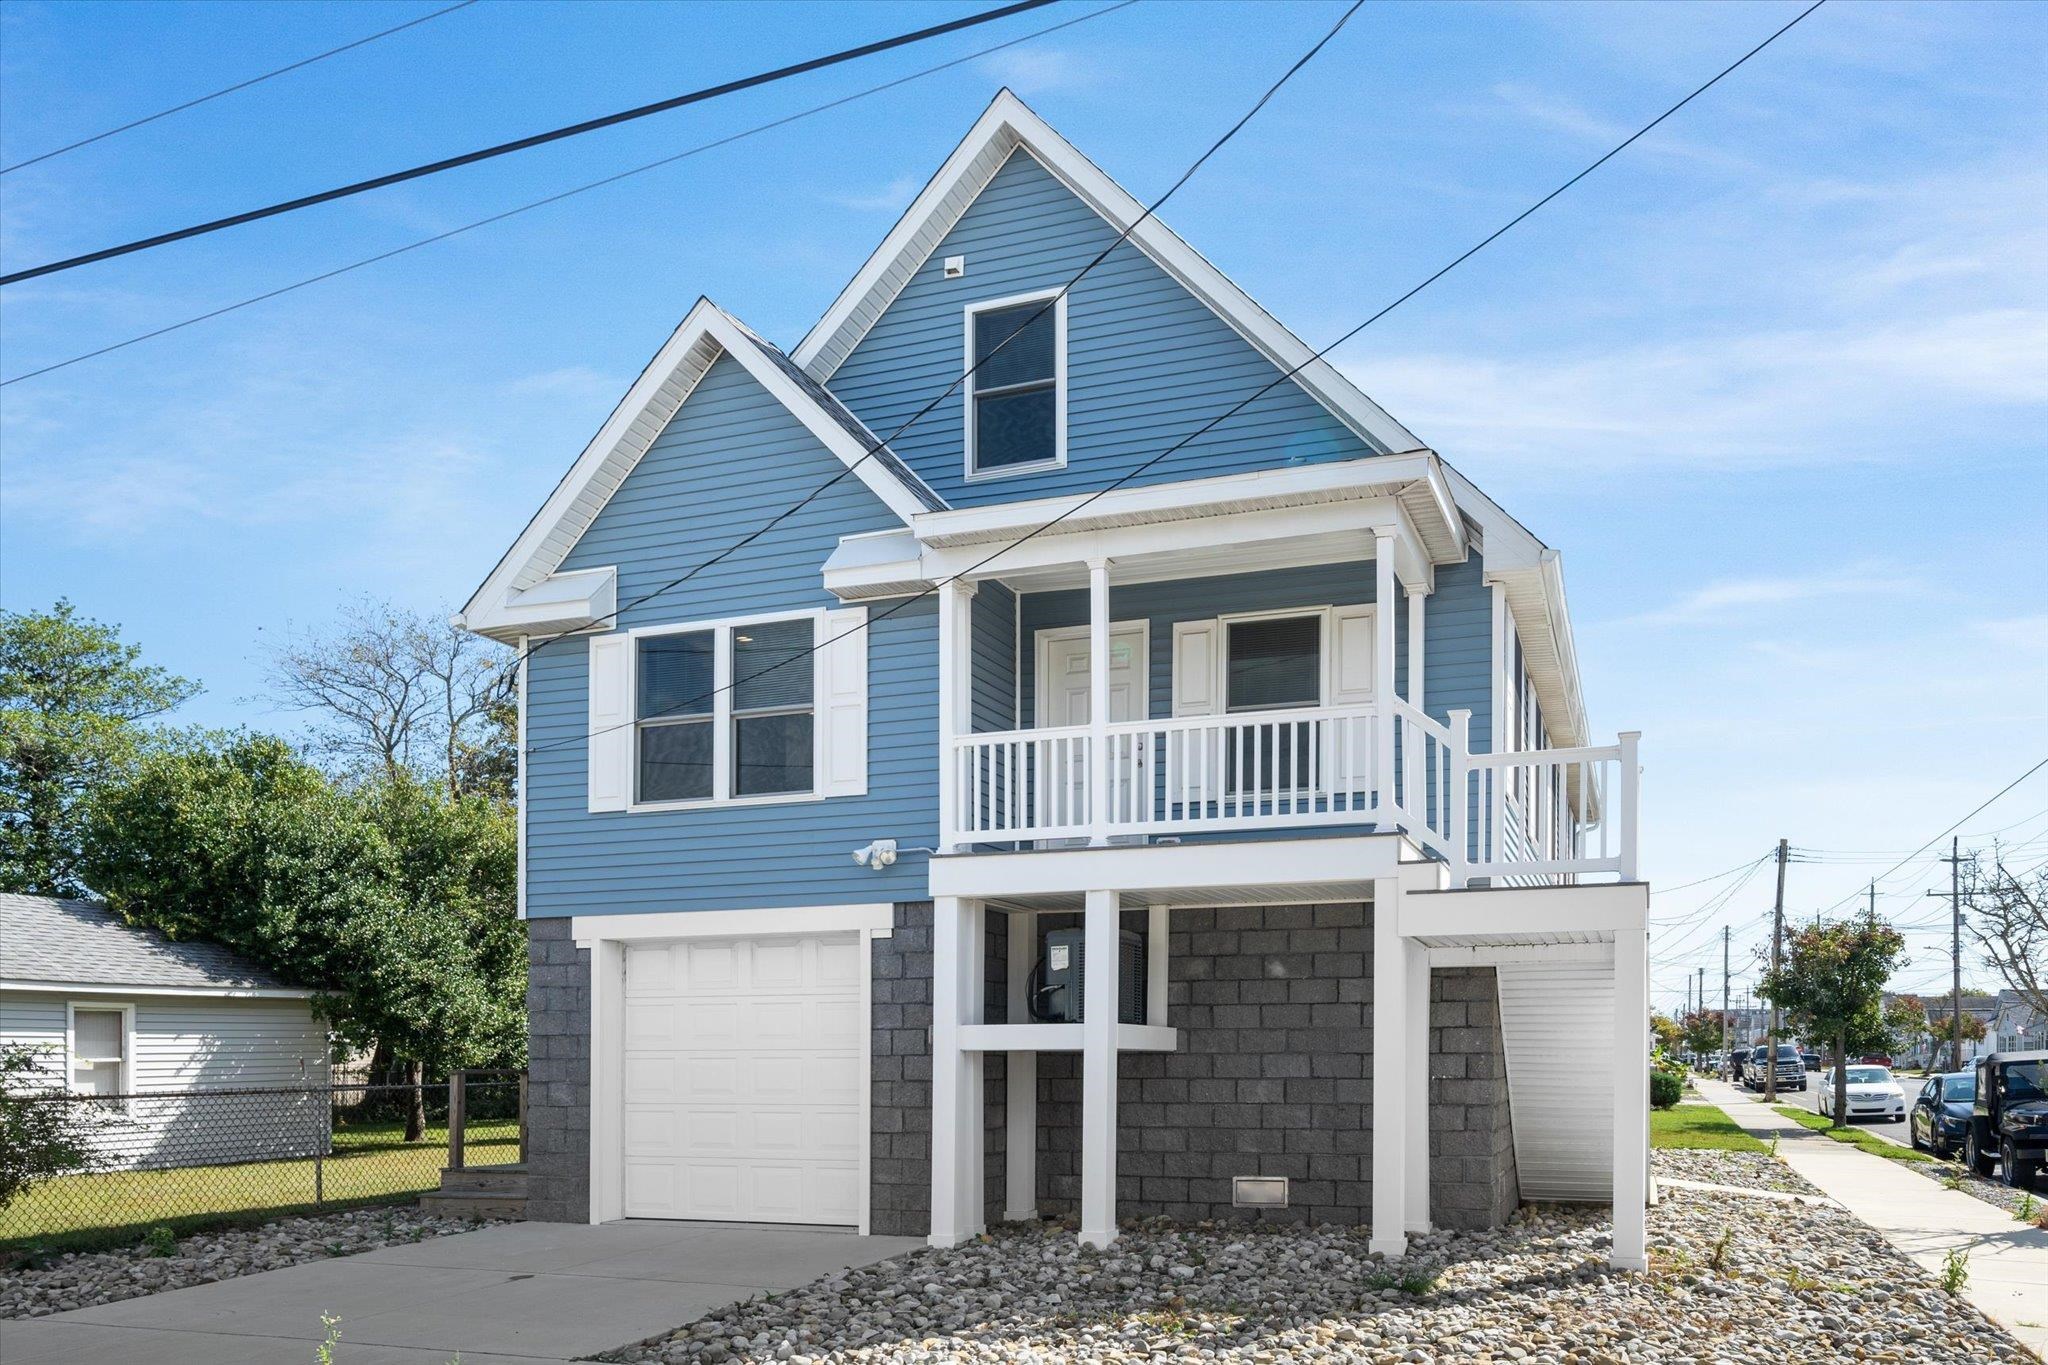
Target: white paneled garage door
(743,1079)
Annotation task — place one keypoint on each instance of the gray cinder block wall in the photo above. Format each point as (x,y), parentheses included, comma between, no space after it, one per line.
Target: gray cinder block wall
(558,1074)
(1472,1180)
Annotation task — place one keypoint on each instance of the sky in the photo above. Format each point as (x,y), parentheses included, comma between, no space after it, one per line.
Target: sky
(1773,381)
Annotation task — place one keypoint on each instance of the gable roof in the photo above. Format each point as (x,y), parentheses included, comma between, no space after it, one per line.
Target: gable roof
(1003,128)
(705,334)
(47,941)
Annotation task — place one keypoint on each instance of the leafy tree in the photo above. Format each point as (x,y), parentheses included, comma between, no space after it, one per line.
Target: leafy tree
(392,899)
(39,1136)
(1670,1037)
(1703,1030)
(1831,983)
(72,696)
(1905,1023)
(1943,1028)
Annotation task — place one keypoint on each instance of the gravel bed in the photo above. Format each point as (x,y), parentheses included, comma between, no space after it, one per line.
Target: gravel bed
(1990,1191)
(1745,1170)
(85,1278)
(1735,1281)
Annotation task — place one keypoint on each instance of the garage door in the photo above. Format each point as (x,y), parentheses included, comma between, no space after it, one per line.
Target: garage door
(742,1079)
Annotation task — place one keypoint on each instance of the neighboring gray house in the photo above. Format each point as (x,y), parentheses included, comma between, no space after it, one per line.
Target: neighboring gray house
(2016,1026)
(1155,667)
(120,1011)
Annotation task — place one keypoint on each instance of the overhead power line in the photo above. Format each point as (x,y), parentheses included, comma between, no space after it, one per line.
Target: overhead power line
(533,140)
(238,85)
(1208,426)
(562,195)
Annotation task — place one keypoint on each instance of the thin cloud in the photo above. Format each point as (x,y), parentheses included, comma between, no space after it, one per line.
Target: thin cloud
(1729,599)
(894,196)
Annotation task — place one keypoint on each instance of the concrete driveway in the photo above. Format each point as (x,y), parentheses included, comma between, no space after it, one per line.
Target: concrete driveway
(519,1294)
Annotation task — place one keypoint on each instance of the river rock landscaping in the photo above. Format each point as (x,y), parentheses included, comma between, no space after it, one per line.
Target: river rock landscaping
(84,1279)
(1735,1280)
(1745,1170)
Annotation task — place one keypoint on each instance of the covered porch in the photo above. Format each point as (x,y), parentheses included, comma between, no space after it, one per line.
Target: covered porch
(1353,1143)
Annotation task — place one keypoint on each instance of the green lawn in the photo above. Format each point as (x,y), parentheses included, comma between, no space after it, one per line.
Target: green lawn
(1855,1137)
(371,1164)
(1699,1125)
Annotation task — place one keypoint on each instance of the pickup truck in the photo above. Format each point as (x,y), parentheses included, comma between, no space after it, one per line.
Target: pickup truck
(2009,1117)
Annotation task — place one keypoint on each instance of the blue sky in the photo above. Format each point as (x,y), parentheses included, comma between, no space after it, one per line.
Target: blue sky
(1774,380)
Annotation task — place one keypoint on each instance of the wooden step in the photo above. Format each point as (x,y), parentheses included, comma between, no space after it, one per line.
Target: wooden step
(484,1179)
(474,1204)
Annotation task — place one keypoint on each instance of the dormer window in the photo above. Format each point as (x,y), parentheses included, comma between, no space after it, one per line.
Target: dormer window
(1016,397)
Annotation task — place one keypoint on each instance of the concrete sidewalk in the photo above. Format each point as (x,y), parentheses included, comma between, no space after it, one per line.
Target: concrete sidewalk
(2008,1259)
(520,1294)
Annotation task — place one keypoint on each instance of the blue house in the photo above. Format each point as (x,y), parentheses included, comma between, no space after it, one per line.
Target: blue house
(1138,777)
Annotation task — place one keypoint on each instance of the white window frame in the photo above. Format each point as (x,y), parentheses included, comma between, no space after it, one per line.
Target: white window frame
(71,1058)
(1325,659)
(1059,380)
(721,630)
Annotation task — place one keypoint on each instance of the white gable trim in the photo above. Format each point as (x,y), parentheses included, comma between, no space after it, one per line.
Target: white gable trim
(1007,125)
(669,379)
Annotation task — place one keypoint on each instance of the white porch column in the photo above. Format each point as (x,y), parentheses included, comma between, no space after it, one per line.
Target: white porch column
(1098,1068)
(1384,607)
(1415,1104)
(956,659)
(956,1075)
(1418,597)
(1020,1144)
(1631,1097)
(1098,701)
(1391,1059)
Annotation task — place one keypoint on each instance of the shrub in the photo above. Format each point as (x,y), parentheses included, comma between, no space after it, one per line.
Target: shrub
(1665,1089)
(39,1137)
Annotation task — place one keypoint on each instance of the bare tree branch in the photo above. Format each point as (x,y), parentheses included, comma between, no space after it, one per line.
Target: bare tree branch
(2007,921)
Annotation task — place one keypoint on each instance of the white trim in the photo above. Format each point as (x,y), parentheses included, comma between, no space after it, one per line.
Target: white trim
(15,983)
(720,719)
(127,1012)
(876,917)
(1510,913)
(1497,954)
(1176,874)
(970,312)
(519,779)
(706,333)
(1006,125)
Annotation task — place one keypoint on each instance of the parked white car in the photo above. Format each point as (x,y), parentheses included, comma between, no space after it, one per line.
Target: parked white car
(1873,1094)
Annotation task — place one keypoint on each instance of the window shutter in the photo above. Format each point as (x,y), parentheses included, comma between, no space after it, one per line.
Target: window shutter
(1195,672)
(1348,744)
(611,721)
(843,703)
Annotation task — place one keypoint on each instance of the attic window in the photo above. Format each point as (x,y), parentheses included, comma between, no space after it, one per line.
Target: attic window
(1016,397)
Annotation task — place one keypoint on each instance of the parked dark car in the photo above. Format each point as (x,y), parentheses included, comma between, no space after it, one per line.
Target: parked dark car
(2009,1116)
(1940,1118)
(1811,1059)
(1791,1071)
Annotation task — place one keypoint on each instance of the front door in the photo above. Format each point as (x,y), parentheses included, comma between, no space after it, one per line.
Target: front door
(1063,695)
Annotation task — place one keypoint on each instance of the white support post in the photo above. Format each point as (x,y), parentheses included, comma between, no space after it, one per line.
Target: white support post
(1631,794)
(1631,1097)
(954,651)
(1418,597)
(1098,1069)
(1390,1059)
(607,1079)
(1457,807)
(1020,1143)
(1415,1105)
(1156,974)
(1098,701)
(1383,679)
(956,1075)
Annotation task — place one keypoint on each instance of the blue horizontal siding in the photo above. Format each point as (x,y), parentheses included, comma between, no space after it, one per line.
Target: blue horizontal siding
(730,459)
(1147,362)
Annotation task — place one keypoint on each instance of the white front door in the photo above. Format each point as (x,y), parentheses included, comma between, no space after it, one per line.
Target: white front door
(1063,693)
(743,1079)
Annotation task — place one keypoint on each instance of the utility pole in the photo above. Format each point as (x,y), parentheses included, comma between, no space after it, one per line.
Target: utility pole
(1955,911)
(1777,947)
(1727,1068)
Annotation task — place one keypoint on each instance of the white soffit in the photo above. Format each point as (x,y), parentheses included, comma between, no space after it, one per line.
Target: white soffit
(705,334)
(1005,126)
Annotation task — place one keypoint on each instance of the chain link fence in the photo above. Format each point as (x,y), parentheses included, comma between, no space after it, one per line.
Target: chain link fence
(193,1158)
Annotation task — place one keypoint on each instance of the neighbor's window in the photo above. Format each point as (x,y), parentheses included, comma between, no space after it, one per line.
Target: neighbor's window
(99,1059)
(1274,662)
(766,711)
(1014,399)
(771,708)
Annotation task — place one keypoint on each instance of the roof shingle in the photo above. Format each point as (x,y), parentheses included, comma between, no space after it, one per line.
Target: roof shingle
(81,942)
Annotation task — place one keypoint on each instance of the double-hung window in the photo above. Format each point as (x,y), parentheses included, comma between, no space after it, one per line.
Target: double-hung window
(1016,404)
(1273,663)
(726,712)
(99,1050)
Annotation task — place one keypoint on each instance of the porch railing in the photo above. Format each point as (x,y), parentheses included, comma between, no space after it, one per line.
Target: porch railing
(1542,816)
